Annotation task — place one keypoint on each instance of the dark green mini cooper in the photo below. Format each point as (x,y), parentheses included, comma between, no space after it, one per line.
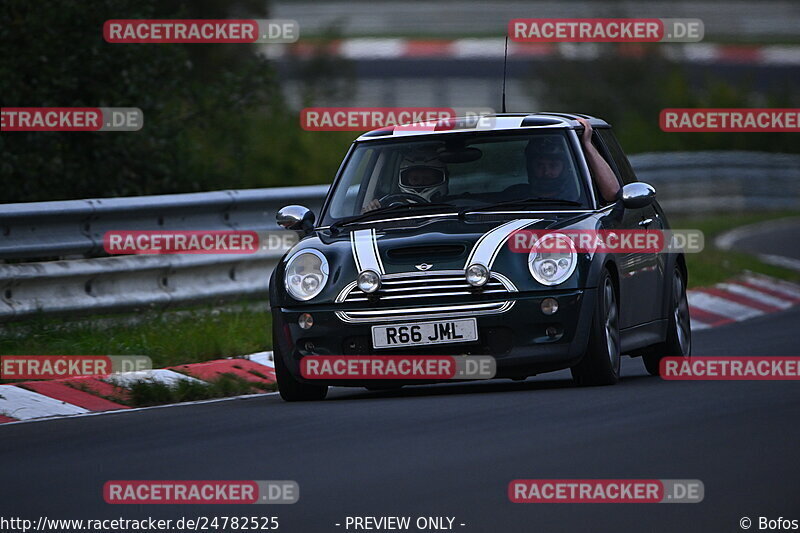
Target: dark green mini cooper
(411,255)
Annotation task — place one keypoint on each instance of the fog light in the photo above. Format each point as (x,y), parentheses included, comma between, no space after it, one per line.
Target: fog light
(309,346)
(369,281)
(305,321)
(552,332)
(477,275)
(549,306)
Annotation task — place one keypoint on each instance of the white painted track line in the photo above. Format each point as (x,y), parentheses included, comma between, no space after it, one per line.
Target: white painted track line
(779,260)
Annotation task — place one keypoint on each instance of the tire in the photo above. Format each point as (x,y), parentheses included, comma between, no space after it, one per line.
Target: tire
(679,331)
(292,390)
(601,362)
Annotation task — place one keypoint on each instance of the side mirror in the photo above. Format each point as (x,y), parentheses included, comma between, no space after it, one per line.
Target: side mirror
(637,195)
(296,217)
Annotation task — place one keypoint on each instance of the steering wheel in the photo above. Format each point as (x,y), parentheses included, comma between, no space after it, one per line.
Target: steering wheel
(401,198)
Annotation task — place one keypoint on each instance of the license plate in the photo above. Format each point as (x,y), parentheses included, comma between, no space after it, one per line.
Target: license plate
(423,333)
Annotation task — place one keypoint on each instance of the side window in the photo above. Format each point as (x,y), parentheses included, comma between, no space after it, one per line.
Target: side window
(623,165)
(352,192)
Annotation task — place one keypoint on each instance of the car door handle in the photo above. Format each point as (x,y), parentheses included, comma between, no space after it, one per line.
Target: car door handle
(646,222)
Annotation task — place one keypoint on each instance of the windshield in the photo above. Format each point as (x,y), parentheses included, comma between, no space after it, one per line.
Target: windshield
(463,171)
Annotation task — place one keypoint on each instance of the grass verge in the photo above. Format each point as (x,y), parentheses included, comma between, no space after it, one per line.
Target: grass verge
(149,393)
(168,338)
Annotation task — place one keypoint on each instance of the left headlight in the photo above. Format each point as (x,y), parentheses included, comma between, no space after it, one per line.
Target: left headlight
(306,274)
(552,259)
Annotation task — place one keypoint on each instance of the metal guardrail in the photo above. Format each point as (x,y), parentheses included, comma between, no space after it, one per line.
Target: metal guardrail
(78,282)
(130,283)
(76,227)
(694,182)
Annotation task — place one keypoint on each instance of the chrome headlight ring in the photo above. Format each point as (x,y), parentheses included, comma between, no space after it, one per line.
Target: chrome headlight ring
(306,274)
(552,267)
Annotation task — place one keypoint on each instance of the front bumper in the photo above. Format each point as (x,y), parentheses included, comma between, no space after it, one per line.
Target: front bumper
(517,338)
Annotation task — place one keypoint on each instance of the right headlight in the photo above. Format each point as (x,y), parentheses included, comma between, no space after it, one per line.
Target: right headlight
(306,274)
(553,259)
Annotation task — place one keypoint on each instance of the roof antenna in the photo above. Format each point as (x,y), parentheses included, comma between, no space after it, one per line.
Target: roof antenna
(505,63)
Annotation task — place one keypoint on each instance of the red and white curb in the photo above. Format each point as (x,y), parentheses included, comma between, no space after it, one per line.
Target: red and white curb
(85,395)
(493,48)
(741,298)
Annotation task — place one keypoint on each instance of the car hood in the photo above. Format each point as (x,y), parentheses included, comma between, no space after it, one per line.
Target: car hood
(442,243)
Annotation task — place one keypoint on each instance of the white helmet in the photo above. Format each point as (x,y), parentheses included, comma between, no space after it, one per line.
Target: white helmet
(424,175)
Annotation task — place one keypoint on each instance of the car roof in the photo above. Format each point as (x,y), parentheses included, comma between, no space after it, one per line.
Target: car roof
(490,122)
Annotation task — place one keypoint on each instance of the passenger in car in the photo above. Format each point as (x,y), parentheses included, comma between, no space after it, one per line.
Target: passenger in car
(550,173)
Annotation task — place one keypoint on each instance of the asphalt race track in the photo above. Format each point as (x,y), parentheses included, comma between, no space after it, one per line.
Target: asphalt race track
(446,450)
(773,238)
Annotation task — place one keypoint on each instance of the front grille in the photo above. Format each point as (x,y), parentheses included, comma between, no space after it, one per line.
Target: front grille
(411,285)
(430,252)
(425,295)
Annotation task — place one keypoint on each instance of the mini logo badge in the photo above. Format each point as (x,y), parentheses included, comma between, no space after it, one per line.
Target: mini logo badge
(423,266)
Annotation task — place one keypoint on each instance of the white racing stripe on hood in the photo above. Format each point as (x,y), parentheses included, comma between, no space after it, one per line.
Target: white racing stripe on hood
(488,246)
(364,244)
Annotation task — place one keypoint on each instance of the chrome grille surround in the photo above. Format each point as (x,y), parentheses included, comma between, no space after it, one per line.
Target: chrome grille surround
(408,287)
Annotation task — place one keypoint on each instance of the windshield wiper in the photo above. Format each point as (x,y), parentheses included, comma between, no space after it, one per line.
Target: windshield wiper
(525,202)
(336,226)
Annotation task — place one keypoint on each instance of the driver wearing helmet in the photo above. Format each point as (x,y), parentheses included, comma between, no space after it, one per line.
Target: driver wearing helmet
(421,177)
(547,163)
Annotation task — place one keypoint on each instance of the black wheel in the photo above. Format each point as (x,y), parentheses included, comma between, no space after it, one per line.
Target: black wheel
(679,331)
(292,390)
(601,362)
